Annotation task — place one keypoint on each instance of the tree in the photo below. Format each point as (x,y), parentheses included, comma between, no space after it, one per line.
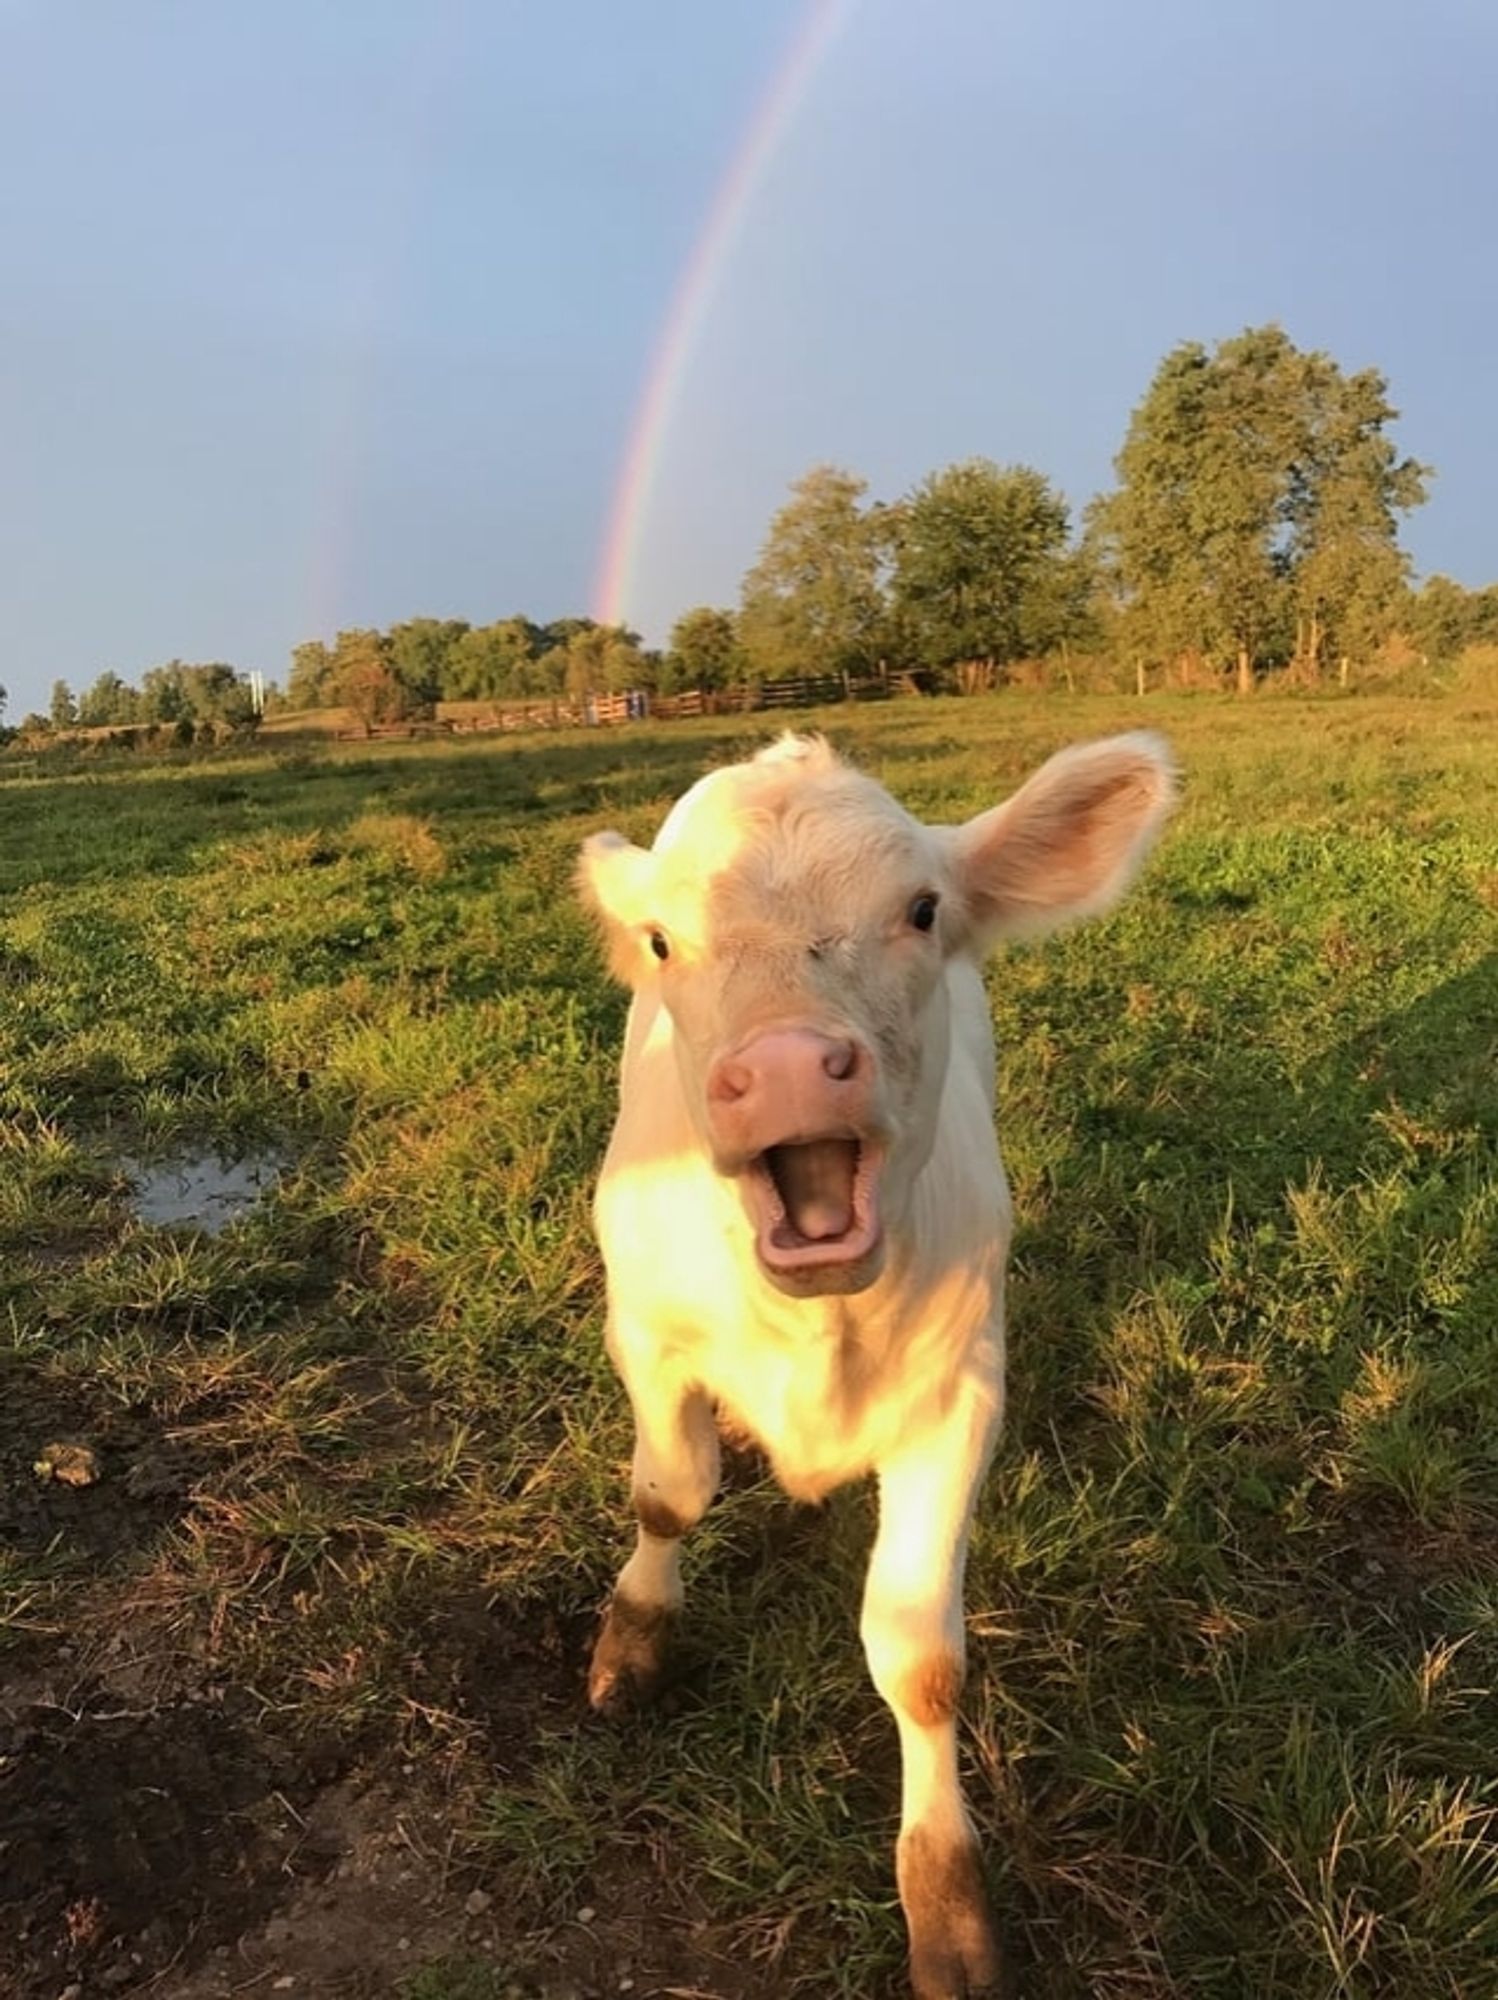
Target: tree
(1192,527)
(562,631)
(814,602)
(598,659)
(1443,618)
(109,700)
(1347,488)
(163,697)
(979,576)
(365,682)
(704,651)
(491,661)
(419,652)
(310,682)
(216,692)
(1257,490)
(62,710)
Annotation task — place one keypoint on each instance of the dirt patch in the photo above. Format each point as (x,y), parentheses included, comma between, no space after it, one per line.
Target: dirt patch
(373,1903)
(393,1915)
(178,1848)
(159,1837)
(142,1479)
(499,1676)
(128,1836)
(1393,1562)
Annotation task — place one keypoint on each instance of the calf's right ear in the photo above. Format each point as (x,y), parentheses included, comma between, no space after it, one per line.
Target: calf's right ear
(1069,842)
(616,880)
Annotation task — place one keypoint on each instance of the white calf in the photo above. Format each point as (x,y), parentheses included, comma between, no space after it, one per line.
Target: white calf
(803,1211)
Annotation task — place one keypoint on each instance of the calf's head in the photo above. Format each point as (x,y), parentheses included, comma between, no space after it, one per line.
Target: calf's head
(796,924)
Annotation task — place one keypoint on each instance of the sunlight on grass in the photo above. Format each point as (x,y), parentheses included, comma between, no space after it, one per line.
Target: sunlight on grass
(1234,1601)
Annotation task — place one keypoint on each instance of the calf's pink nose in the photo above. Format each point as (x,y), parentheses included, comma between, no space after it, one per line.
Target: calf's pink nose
(798,1073)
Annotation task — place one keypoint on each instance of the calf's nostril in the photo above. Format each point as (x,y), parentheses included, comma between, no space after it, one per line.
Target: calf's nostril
(840,1060)
(731,1081)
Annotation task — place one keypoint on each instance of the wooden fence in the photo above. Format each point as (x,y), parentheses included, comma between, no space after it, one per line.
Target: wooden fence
(609,710)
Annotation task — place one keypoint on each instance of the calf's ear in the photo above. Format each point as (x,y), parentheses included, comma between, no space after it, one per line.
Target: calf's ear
(1069,842)
(616,880)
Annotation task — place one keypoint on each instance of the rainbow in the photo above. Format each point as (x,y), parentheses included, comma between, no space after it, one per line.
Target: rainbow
(692,298)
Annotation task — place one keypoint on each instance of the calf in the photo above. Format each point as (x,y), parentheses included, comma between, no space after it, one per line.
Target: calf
(803,1211)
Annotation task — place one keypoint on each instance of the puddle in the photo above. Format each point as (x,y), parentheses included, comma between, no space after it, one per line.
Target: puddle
(202,1190)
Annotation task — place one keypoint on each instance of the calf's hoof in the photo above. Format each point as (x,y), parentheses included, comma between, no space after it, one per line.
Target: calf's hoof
(954,1953)
(629,1655)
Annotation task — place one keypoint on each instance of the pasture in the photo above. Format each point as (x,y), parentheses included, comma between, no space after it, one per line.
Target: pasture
(292,1687)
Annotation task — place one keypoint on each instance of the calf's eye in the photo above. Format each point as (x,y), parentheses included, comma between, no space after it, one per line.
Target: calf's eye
(659,945)
(923,912)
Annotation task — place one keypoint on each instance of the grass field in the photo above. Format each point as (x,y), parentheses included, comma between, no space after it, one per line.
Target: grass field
(293,1688)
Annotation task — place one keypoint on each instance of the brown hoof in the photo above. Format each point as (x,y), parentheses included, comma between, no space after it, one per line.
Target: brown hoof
(954,1952)
(629,1656)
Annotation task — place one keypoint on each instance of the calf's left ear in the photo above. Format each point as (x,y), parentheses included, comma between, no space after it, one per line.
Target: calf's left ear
(1069,842)
(616,880)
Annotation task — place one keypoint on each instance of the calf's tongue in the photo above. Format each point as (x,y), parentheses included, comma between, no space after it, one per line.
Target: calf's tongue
(815,1181)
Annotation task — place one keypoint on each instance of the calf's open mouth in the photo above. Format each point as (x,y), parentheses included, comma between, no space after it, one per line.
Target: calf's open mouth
(815,1202)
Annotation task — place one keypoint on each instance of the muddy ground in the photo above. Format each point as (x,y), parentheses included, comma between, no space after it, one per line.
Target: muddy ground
(162,1833)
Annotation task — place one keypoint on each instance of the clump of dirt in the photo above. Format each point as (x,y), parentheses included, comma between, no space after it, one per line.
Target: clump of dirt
(127,1835)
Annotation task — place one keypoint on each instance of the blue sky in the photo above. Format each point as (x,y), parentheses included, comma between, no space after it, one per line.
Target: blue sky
(320,315)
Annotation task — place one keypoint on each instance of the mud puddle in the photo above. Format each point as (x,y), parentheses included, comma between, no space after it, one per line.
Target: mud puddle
(200,1188)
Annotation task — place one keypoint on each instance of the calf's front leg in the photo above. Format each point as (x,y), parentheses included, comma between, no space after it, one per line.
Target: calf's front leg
(675,1477)
(913,1635)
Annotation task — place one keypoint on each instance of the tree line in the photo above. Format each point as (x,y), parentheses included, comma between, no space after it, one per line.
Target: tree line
(1254,528)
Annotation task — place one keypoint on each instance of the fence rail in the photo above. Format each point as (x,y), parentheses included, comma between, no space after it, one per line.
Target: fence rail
(609,710)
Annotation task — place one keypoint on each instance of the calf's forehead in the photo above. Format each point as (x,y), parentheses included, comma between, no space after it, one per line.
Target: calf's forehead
(755,842)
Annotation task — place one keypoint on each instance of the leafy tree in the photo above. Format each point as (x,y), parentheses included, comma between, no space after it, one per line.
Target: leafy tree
(704,651)
(980,565)
(215,692)
(598,659)
(109,700)
(419,652)
(814,602)
(1484,627)
(62,710)
(490,661)
(365,682)
(1064,606)
(562,631)
(310,682)
(1348,486)
(1257,489)
(1193,525)
(1444,618)
(163,697)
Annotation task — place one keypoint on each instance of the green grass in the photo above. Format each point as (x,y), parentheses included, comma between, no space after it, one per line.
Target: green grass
(1234,1594)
